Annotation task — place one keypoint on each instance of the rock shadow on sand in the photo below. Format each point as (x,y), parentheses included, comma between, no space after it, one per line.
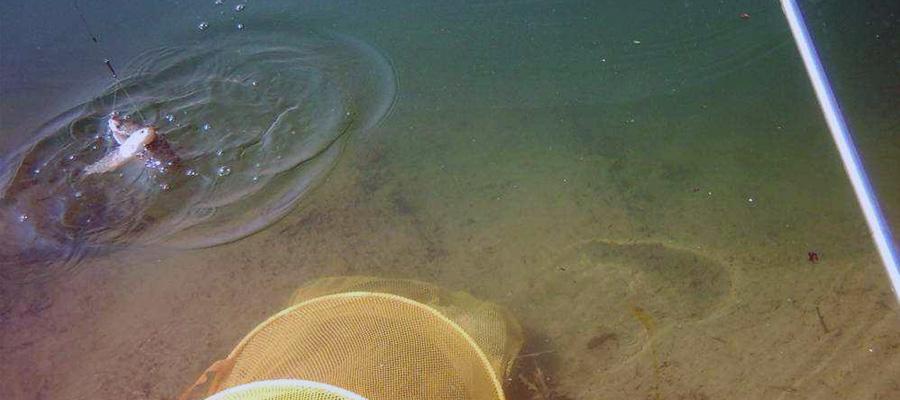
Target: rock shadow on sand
(611,300)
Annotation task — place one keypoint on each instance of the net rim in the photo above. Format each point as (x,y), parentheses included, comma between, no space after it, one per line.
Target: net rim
(485,363)
(288,384)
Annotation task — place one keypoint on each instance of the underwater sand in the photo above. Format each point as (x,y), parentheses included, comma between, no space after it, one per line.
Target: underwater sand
(618,230)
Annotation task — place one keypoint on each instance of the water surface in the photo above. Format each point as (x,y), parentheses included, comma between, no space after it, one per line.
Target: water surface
(639,184)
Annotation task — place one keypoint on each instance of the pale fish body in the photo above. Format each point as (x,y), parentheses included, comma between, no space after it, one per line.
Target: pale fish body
(128,149)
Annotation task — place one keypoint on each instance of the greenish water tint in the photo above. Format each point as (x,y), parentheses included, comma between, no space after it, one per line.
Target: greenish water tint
(639,183)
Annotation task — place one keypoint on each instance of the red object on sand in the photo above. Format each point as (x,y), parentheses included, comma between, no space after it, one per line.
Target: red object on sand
(813,256)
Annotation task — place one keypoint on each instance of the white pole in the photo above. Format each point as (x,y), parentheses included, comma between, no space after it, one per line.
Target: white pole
(881,233)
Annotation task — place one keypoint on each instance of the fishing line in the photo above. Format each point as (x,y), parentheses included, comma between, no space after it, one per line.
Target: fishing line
(108,62)
(84,21)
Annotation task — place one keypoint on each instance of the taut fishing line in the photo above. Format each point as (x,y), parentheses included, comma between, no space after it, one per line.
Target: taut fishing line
(107,61)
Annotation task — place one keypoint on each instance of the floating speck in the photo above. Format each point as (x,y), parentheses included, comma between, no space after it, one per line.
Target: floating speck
(219,153)
(23,218)
(255,178)
(240,26)
(203,26)
(218,2)
(36,171)
(190,172)
(78,195)
(170,118)
(239,7)
(164,186)
(254,83)
(636,41)
(223,171)
(72,157)
(206,126)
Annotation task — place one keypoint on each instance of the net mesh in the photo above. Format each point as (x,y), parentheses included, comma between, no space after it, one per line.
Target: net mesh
(382,339)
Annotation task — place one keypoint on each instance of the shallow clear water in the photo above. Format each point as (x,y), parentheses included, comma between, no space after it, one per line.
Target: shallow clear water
(247,124)
(639,184)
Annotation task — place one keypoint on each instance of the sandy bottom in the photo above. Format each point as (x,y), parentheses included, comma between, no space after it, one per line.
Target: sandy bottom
(634,259)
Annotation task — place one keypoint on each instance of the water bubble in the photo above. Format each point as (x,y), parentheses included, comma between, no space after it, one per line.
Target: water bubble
(239,7)
(206,126)
(240,26)
(223,171)
(203,26)
(170,118)
(190,172)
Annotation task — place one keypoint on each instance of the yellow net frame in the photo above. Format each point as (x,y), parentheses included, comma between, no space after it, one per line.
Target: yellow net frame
(383,339)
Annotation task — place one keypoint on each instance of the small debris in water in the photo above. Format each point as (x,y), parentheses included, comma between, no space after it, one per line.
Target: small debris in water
(744,16)
(170,118)
(203,26)
(164,186)
(219,2)
(812,256)
(240,26)
(206,126)
(223,171)
(636,41)
(254,178)
(239,7)
(23,218)
(190,172)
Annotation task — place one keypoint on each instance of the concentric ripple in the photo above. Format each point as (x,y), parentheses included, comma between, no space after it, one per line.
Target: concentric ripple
(252,122)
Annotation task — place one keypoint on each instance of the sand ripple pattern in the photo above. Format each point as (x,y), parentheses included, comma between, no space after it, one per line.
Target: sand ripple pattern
(256,120)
